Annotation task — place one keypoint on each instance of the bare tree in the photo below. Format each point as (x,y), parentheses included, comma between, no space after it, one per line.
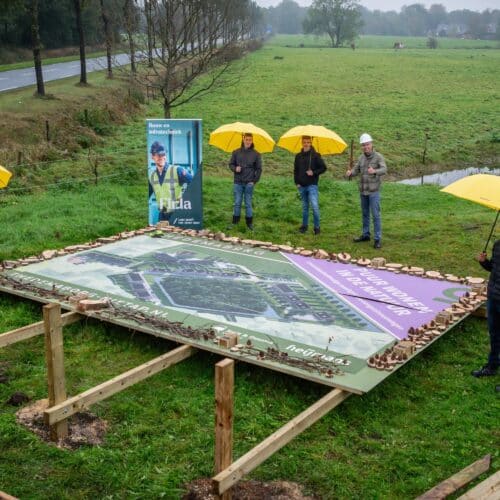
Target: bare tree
(37,46)
(195,37)
(108,37)
(81,39)
(130,22)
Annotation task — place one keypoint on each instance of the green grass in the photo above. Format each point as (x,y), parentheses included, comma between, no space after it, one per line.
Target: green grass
(420,426)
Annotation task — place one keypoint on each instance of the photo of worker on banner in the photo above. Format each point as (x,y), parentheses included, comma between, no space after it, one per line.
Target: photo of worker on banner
(174,172)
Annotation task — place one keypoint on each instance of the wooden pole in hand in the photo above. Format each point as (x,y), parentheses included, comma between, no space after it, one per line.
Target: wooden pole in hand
(54,355)
(224,389)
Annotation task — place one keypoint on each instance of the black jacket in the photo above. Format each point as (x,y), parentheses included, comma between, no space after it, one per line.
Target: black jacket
(493,265)
(250,162)
(304,161)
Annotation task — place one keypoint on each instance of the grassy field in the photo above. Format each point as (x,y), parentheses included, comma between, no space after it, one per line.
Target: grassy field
(423,424)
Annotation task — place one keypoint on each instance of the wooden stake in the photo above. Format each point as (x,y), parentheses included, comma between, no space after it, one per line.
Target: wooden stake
(458,480)
(224,390)
(248,462)
(68,407)
(54,355)
(29,331)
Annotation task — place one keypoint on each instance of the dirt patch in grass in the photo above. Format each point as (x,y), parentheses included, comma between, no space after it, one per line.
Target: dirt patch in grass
(201,489)
(84,428)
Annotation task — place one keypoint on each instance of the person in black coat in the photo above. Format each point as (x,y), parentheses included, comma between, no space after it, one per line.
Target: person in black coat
(308,167)
(246,164)
(493,310)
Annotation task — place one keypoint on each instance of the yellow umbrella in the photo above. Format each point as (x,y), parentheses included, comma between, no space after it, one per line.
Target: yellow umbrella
(5,176)
(228,137)
(480,188)
(324,141)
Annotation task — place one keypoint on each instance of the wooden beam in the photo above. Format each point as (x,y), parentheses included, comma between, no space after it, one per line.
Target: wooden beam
(224,390)
(458,480)
(54,355)
(489,489)
(248,462)
(6,496)
(116,384)
(29,331)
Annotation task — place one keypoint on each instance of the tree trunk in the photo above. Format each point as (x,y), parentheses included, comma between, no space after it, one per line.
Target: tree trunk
(149,25)
(166,108)
(107,34)
(127,10)
(36,44)
(79,27)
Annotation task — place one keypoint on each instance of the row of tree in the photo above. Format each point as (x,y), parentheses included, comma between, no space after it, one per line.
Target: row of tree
(170,42)
(412,20)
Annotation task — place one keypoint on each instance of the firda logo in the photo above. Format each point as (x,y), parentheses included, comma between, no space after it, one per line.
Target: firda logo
(179,204)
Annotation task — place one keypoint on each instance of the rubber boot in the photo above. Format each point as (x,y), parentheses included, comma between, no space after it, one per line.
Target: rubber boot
(235,222)
(249,221)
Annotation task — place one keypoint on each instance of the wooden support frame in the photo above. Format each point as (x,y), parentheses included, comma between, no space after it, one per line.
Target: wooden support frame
(70,406)
(458,480)
(29,331)
(54,356)
(489,489)
(6,496)
(248,462)
(224,404)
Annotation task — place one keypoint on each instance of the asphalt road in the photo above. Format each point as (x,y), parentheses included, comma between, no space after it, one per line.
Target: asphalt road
(18,78)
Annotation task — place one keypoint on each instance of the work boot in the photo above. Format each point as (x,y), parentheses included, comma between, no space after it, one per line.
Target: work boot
(317,230)
(377,244)
(235,222)
(302,229)
(249,221)
(361,238)
(485,371)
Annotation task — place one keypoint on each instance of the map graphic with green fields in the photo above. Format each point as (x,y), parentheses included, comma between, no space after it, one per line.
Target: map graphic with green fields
(301,306)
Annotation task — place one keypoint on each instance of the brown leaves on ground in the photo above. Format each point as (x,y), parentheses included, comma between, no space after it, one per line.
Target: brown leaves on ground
(84,428)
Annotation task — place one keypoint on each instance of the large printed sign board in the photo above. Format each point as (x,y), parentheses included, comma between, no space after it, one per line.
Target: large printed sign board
(175,172)
(302,307)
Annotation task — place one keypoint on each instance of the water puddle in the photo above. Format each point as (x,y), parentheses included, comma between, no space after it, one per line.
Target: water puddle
(445,178)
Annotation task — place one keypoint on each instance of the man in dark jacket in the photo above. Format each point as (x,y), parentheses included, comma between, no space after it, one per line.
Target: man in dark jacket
(370,167)
(308,167)
(246,164)
(493,310)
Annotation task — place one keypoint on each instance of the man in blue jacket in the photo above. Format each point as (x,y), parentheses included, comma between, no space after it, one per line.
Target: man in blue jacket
(246,165)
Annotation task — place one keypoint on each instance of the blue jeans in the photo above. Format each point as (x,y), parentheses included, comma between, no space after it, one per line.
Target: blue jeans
(240,190)
(493,310)
(371,202)
(309,195)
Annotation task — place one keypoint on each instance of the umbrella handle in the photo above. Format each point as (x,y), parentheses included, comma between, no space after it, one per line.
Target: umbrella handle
(491,232)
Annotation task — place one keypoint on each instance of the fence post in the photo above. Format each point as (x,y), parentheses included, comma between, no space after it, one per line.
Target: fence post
(47,130)
(54,355)
(224,389)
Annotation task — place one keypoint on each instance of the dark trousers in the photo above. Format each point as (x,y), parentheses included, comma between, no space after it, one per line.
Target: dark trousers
(493,307)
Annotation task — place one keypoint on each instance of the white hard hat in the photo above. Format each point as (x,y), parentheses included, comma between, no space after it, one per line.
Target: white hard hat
(365,138)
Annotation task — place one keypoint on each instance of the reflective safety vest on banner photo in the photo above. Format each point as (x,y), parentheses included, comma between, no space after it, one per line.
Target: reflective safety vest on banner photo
(167,193)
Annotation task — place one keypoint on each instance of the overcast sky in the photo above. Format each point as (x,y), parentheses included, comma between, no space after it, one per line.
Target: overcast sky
(396,5)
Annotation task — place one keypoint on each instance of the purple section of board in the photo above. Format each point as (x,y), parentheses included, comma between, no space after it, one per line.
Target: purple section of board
(396,302)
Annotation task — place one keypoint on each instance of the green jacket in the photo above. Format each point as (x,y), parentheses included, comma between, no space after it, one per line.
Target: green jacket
(169,192)
(370,183)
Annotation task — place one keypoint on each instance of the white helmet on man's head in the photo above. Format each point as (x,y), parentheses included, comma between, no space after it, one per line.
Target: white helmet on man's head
(365,138)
